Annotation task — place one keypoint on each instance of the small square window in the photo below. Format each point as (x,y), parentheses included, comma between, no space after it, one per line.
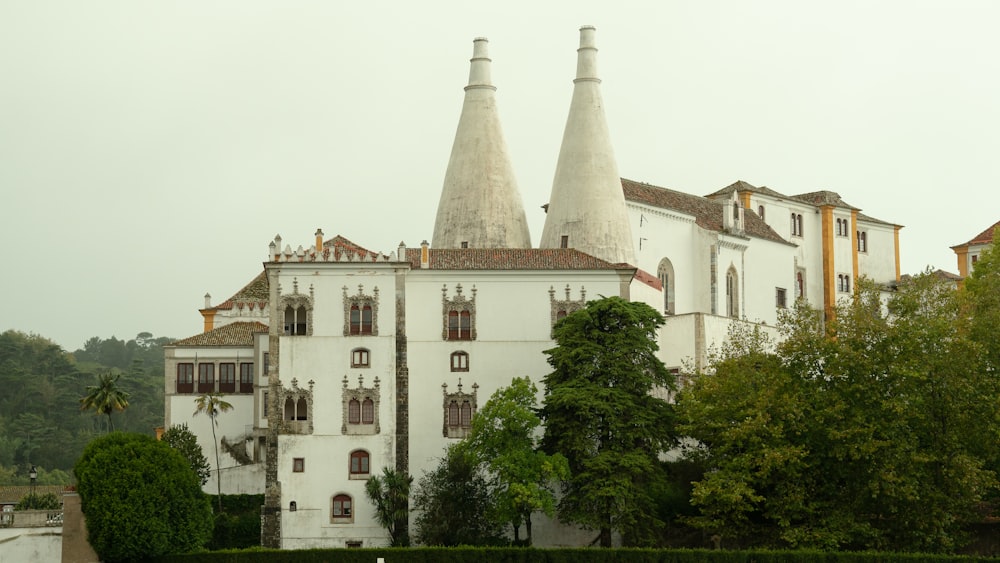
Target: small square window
(298,465)
(459,361)
(360,358)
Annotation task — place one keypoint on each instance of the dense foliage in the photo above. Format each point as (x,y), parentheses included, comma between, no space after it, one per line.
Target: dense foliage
(503,441)
(602,413)
(875,430)
(454,504)
(141,498)
(41,422)
(239,526)
(180,438)
(35,501)
(556,555)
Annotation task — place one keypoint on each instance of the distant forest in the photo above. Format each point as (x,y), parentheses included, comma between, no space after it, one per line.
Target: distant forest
(41,423)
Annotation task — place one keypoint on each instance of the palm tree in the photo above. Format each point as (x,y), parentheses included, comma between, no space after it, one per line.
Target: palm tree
(213,404)
(105,397)
(390,494)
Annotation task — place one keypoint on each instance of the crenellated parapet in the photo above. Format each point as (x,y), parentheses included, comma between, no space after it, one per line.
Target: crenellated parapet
(337,249)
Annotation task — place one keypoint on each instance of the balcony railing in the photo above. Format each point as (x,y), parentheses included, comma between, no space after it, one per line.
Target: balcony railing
(31,519)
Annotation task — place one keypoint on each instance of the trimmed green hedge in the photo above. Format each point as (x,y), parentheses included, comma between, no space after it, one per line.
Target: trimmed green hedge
(576,555)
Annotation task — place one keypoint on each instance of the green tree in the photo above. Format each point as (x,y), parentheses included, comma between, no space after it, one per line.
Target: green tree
(35,501)
(867,433)
(213,405)
(600,412)
(454,505)
(141,499)
(180,438)
(390,494)
(503,440)
(105,397)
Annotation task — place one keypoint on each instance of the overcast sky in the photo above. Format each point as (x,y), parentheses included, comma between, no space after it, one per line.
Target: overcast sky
(150,151)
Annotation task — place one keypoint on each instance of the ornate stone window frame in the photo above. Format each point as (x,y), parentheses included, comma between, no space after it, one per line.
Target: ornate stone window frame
(360,300)
(296,301)
(296,394)
(458,304)
(559,308)
(459,431)
(360,393)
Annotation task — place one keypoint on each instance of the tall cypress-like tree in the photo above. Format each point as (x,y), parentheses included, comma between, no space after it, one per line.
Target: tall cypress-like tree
(601,412)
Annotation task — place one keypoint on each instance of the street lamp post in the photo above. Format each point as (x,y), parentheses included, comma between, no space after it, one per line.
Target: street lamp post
(33,475)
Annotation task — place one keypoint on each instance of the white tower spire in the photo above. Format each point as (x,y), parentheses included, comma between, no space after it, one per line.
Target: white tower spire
(587,206)
(480,204)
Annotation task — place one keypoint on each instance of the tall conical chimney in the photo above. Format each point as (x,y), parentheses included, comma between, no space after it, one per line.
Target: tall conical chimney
(480,204)
(586,210)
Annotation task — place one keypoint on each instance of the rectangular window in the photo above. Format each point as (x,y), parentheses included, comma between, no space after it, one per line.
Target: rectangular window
(366,319)
(227,378)
(298,464)
(459,361)
(459,325)
(359,358)
(185,378)
(779,297)
(206,378)
(267,363)
(246,377)
(564,241)
(264,401)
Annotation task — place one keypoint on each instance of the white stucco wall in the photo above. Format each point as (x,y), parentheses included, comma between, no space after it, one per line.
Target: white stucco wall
(35,545)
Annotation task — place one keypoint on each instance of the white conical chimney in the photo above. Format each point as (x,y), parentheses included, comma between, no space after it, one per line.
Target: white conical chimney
(586,209)
(480,204)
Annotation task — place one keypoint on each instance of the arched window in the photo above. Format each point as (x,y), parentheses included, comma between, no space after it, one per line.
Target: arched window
(355,319)
(342,508)
(289,409)
(366,319)
(359,463)
(466,414)
(760,211)
(301,410)
(454,415)
(665,272)
(459,361)
(354,412)
(732,294)
(367,411)
(800,286)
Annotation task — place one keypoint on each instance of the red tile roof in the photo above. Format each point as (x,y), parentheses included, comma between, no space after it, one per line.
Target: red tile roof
(233,334)
(985,237)
(253,294)
(707,212)
(509,259)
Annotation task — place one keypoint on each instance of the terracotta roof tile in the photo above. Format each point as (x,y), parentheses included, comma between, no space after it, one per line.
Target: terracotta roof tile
(510,259)
(254,293)
(233,334)
(707,212)
(741,186)
(985,237)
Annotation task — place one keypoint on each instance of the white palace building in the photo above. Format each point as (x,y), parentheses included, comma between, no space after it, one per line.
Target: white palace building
(341,361)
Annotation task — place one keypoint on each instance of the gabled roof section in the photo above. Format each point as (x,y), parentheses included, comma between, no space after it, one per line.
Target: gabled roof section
(741,186)
(254,294)
(233,334)
(340,246)
(509,259)
(823,197)
(707,212)
(985,237)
